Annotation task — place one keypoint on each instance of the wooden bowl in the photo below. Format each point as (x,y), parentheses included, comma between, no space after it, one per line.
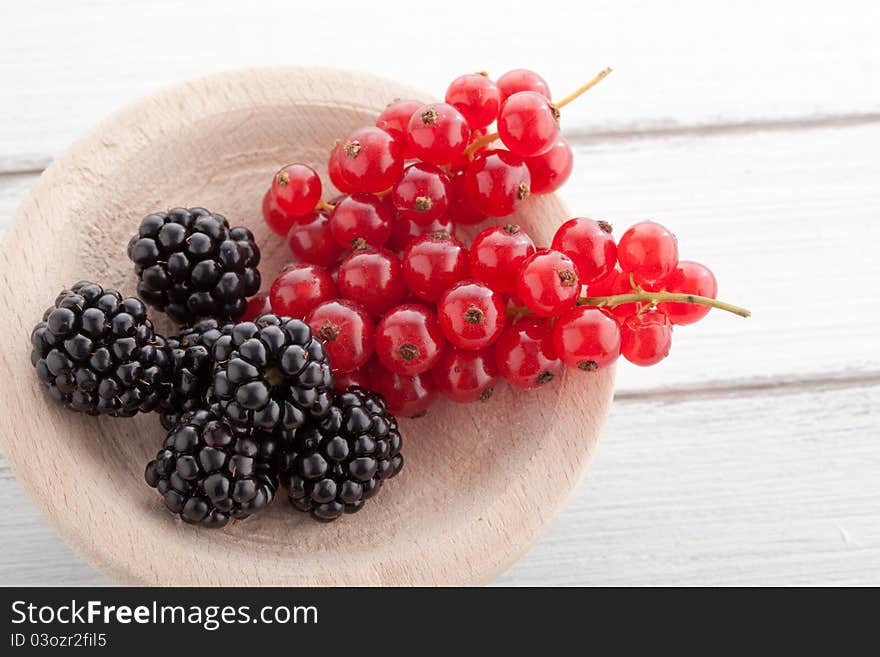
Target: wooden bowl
(481,480)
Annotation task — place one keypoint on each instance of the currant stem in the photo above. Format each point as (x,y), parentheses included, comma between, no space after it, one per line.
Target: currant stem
(589,85)
(654,298)
(323,205)
(477,144)
(485,140)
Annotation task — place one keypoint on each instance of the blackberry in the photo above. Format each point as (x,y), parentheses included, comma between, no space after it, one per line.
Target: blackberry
(209,471)
(332,465)
(192,265)
(97,353)
(192,368)
(271,373)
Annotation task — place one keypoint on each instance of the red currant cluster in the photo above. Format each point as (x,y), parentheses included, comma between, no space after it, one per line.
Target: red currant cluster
(406,309)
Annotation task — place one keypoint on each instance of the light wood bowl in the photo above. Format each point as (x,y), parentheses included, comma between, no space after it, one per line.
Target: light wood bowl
(481,480)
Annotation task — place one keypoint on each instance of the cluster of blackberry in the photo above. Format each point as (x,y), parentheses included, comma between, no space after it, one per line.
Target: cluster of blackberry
(248,403)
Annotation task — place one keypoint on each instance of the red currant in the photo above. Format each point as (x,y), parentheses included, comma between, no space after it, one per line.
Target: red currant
(409,340)
(437,133)
(525,354)
(432,263)
(297,189)
(471,315)
(528,124)
(466,376)
(299,288)
(310,240)
(548,283)
(645,339)
(373,278)
(335,171)
(257,306)
(522,80)
(496,181)
(422,193)
(404,231)
(370,160)
(476,97)
(275,219)
(586,338)
(342,381)
(394,119)
(590,245)
(552,168)
(497,255)
(689,278)
(407,396)
(347,332)
(360,220)
(648,250)
(460,209)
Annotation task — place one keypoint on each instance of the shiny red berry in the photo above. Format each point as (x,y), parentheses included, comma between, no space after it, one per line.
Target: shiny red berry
(437,133)
(370,160)
(460,209)
(548,283)
(347,332)
(496,182)
(590,244)
(551,169)
(689,278)
(394,119)
(372,278)
(335,170)
(297,189)
(409,340)
(404,231)
(466,376)
(476,97)
(645,339)
(342,381)
(361,220)
(277,221)
(586,338)
(471,315)
(433,263)
(310,240)
(497,255)
(648,250)
(525,354)
(522,80)
(528,124)
(257,306)
(299,288)
(407,396)
(422,193)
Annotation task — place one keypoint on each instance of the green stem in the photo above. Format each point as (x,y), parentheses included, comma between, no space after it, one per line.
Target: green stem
(640,296)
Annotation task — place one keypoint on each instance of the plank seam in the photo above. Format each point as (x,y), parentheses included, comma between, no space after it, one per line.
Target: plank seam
(17,166)
(664,130)
(750,388)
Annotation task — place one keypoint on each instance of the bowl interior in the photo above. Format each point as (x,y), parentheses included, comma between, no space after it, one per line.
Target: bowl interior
(480,480)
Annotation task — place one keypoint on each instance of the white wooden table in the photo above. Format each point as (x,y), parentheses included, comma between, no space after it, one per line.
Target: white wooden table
(751,456)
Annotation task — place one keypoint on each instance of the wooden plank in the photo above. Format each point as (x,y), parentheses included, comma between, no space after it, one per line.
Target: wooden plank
(786,219)
(31,553)
(13,190)
(677,63)
(748,489)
